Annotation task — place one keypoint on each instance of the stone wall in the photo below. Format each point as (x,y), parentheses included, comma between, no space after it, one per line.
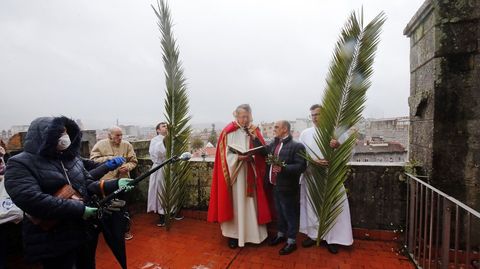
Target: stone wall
(141,148)
(15,143)
(445,96)
(89,138)
(377,193)
(423,73)
(377,196)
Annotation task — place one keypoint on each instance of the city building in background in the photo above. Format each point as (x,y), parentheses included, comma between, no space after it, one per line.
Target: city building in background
(378,150)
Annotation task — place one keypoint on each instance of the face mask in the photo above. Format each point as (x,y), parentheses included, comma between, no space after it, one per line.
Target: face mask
(63,142)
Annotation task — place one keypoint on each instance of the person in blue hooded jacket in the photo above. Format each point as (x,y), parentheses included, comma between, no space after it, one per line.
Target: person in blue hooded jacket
(50,161)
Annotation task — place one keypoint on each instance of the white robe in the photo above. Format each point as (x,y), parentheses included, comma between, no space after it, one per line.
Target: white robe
(157,152)
(341,232)
(244,225)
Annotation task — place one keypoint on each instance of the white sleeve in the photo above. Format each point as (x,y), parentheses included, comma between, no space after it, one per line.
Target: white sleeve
(157,149)
(151,149)
(302,137)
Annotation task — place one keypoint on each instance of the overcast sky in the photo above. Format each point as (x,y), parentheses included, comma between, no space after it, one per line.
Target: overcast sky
(101,60)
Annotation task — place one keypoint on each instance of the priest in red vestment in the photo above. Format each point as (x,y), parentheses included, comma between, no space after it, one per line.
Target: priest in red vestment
(237,199)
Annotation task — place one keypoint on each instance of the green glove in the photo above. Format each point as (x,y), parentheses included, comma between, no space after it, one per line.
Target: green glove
(89,212)
(123,183)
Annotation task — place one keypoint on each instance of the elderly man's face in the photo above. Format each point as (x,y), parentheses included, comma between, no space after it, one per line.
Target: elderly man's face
(243,117)
(162,129)
(279,130)
(116,136)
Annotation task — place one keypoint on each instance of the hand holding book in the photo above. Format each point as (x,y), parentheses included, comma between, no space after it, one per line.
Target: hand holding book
(240,151)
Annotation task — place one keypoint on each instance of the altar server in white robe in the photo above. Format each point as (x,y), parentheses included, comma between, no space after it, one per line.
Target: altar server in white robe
(158,153)
(341,232)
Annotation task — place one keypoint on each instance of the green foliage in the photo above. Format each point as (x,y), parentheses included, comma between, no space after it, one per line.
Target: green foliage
(176,114)
(197,143)
(343,102)
(412,167)
(213,136)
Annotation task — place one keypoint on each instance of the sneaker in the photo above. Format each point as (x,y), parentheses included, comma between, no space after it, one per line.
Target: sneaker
(179,216)
(128,235)
(161,221)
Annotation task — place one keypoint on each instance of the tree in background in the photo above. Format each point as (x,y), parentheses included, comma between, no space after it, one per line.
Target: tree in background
(196,143)
(213,136)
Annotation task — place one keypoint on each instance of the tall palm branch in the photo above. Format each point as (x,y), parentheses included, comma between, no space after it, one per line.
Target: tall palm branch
(342,106)
(171,193)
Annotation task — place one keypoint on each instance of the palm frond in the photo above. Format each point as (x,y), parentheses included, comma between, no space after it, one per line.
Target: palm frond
(171,193)
(342,106)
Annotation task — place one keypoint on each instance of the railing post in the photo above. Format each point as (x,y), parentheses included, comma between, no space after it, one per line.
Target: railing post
(446,224)
(438,239)
(411,217)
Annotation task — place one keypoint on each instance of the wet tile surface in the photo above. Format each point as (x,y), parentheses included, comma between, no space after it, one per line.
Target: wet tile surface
(192,243)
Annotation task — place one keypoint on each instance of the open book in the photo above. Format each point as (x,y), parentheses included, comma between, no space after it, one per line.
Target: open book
(238,150)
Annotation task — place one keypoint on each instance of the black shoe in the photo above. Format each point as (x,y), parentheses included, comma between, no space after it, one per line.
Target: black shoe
(277,240)
(332,248)
(232,243)
(287,249)
(309,242)
(161,221)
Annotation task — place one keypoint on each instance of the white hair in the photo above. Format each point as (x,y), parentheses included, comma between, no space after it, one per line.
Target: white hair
(245,107)
(114,128)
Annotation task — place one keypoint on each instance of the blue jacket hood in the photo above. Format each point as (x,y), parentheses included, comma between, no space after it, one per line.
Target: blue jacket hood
(43,134)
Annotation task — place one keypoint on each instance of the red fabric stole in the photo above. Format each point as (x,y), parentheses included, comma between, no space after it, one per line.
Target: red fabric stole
(220,208)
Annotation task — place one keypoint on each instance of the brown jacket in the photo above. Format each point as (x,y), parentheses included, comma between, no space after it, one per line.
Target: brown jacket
(105,150)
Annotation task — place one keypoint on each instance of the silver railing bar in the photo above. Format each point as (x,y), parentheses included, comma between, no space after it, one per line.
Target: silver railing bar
(447,218)
(414,228)
(467,258)
(425,218)
(430,232)
(446,196)
(457,221)
(410,212)
(415,218)
(437,234)
(420,222)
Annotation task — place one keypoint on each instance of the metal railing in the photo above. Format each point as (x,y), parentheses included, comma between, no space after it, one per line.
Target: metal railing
(441,232)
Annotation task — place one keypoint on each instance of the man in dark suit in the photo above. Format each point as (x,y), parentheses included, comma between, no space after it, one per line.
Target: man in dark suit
(286,164)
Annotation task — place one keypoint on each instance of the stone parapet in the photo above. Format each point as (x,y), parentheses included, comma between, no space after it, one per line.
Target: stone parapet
(376,192)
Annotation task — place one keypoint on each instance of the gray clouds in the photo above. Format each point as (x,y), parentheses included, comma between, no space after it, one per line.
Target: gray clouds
(101,60)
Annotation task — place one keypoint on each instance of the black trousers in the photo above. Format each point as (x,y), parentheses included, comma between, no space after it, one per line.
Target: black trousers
(3,246)
(82,257)
(287,204)
(75,259)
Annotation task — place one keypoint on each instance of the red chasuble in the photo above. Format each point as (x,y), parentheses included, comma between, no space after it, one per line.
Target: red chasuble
(220,208)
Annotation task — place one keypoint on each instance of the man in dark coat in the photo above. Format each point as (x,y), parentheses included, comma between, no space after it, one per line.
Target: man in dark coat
(50,161)
(286,164)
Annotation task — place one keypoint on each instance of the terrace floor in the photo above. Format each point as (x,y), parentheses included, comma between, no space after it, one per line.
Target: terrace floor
(193,243)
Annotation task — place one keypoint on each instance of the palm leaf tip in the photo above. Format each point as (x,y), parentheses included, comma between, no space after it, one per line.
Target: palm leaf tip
(348,80)
(176,113)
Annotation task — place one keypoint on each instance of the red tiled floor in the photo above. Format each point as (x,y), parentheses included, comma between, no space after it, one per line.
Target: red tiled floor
(198,244)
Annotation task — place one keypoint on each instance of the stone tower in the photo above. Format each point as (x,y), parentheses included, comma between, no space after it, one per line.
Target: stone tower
(445,95)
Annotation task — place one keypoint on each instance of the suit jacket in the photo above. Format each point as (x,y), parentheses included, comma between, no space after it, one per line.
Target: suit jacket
(291,153)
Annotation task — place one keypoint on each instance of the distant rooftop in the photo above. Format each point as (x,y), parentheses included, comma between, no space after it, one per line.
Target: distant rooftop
(385,147)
